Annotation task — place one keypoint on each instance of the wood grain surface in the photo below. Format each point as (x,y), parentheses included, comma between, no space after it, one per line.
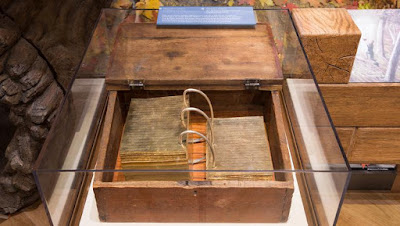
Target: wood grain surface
(376,145)
(324,22)
(359,208)
(182,57)
(346,136)
(330,39)
(33,215)
(224,201)
(110,137)
(363,104)
(370,208)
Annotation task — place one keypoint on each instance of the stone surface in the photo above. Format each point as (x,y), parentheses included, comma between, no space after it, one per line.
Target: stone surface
(10,87)
(22,151)
(3,77)
(7,183)
(3,59)
(16,119)
(2,93)
(45,81)
(9,33)
(60,30)
(43,106)
(11,202)
(19,109)
(11,100)
(21,59)
(24,182)
(51,118)
(34,75)
(39,132)
(41,45)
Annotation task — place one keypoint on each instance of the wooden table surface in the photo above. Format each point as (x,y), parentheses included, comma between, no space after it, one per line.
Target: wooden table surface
(370,208)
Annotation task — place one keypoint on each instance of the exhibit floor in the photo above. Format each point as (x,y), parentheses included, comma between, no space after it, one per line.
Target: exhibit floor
(360,208)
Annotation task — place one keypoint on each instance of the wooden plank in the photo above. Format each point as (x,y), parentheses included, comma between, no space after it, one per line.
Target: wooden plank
(376,145)
(278,137)
(363,104)
(346,135)
(110,138)
(182,57)
(330,39)
(221,201)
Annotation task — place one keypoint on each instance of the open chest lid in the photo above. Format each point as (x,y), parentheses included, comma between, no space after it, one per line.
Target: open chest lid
(150,57)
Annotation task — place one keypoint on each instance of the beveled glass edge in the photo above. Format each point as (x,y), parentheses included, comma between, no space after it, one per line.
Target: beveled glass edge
(320,94)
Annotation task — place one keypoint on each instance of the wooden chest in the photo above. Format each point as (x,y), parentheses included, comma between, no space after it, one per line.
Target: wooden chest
(238,70)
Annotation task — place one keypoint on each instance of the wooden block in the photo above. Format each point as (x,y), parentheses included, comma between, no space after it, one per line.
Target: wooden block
(330,39)
(376,145)
(363,104)
(183,57)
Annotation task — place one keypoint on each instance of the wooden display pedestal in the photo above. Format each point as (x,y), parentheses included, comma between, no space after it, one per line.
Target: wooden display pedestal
(199,199)
(364,110)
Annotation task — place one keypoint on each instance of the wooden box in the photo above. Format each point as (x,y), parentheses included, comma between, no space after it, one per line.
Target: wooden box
(148,62)
(330,39)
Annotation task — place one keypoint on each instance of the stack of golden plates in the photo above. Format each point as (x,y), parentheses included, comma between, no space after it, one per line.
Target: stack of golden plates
(240,145)
(151,139)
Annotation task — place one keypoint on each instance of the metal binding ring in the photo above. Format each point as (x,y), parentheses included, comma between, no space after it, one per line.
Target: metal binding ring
(209,121)
(201,135)
(191,90)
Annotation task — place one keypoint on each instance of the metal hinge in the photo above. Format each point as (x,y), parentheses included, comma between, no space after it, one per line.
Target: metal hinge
(136,84)
(252,84)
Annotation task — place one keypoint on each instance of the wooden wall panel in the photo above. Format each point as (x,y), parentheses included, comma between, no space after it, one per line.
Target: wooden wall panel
(363,104)
(376,145)
(346,137)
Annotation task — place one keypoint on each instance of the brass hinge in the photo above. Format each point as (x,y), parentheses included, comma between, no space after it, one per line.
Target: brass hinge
(252,84)
(136,84)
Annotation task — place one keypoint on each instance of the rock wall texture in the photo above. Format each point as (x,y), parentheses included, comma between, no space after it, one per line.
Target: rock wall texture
(41,45)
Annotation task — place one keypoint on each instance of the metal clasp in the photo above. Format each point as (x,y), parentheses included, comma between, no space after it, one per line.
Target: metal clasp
(136,84)
(252,84)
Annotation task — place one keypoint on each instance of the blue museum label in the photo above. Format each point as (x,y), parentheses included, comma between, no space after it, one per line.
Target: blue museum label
(206,16)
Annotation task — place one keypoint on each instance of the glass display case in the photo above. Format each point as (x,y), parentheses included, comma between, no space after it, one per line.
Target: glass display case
(202,125)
